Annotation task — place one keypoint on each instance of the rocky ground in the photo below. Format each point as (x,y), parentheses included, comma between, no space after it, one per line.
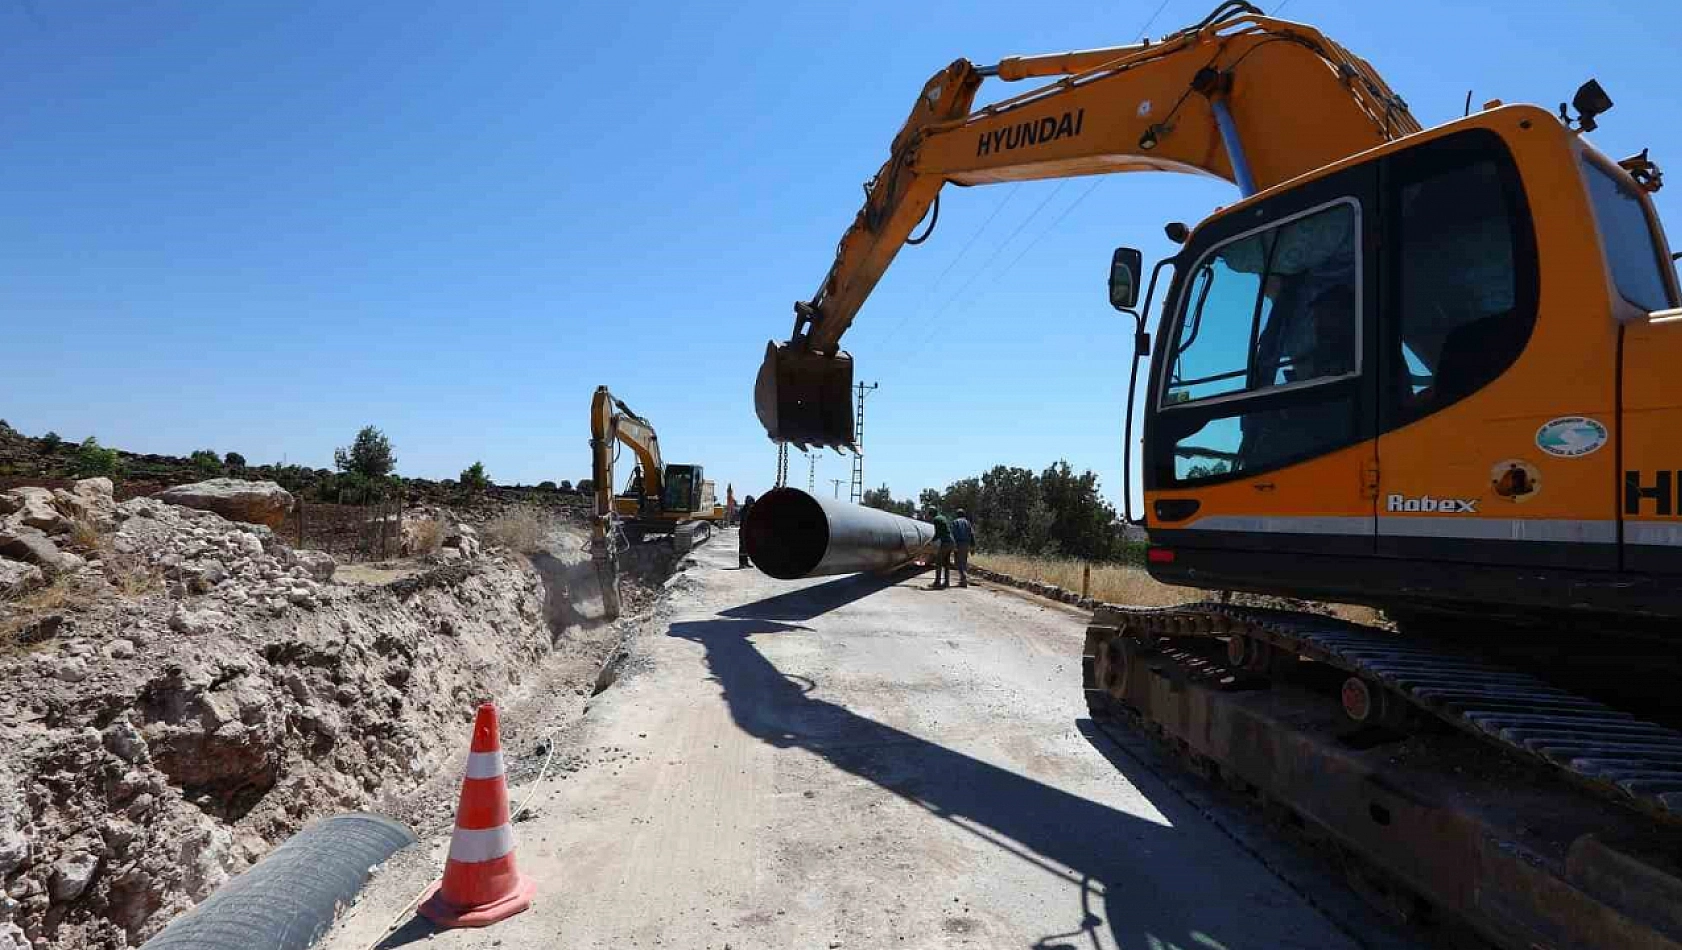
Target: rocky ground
(179,692)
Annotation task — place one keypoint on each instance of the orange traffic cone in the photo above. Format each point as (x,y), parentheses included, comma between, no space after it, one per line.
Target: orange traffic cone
(481,885)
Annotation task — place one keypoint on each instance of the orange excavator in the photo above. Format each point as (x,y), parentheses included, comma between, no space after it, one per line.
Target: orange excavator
(1426,370)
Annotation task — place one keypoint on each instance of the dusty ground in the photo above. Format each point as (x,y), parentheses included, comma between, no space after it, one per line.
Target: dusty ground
(863,763)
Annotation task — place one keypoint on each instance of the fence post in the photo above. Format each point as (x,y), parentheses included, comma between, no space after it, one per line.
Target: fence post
(1086,579)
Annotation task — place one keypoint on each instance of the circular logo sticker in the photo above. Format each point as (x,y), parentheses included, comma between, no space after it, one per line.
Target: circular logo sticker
(1571,437)
(1515,480)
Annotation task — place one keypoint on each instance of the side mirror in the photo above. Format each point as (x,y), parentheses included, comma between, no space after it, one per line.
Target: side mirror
(1125,265)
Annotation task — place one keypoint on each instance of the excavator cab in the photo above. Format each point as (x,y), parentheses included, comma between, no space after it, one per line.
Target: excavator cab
(682,485)
(804,397)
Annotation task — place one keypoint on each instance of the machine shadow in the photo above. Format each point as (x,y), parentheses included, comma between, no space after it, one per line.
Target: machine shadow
(819,599)
(1118,858)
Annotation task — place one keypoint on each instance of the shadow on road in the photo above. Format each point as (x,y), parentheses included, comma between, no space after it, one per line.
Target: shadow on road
(1153,891)
(414,930)
(819,599)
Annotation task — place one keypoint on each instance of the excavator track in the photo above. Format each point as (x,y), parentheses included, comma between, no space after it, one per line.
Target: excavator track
(1606,750)
(1534,816)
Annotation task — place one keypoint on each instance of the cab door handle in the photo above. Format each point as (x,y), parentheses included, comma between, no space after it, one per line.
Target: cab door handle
(1176,509)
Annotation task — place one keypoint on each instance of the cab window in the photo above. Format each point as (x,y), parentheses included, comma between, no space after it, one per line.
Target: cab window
(1275,308)
(1631,252)
(1463,256)
(1268,318)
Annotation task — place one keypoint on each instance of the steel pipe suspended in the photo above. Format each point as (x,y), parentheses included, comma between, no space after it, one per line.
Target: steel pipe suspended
(791,534)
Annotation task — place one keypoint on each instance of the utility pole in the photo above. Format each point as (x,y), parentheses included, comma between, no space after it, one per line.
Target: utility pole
(856,494)
(811,471)
(837,483)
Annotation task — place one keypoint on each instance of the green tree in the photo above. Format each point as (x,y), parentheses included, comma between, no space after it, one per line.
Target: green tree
(566,485)
(51,441)
(587,486)
(369,456)
(1209,470)
(234,461)
(473,478)
(1084,525)
(91,459)
(884,499)
(206,462)
(929,501)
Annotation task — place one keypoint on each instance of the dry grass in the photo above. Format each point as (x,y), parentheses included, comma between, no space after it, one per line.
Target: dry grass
(1111,583)
(519,529)
(1130,586)
(132,576)
(85,536)
(428,535)
(24,616)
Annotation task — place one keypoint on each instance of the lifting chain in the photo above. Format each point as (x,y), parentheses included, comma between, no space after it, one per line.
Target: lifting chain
(782,465)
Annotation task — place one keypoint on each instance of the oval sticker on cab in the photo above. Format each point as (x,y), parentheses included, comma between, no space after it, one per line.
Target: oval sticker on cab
(1571,437)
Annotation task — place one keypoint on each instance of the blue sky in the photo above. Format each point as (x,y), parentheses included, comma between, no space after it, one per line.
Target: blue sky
(257,227)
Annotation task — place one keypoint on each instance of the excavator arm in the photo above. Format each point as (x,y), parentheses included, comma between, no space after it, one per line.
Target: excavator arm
(1239,96)
(612,422)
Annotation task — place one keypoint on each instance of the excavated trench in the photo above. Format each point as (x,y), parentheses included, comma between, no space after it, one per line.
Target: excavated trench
(164,740)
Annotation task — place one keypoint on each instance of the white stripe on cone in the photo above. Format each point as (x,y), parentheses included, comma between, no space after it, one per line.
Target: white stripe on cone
(484,764)
(472,847)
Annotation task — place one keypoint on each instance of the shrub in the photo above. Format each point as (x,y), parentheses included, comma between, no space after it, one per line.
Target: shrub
(587,486)
(566,485)
(206,462)
(234,461)
(91,459)
(426,536)
(546,486)
(51,441)
(520,529)
(473,480)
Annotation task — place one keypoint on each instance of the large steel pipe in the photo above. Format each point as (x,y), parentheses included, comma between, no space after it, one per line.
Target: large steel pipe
(790,534)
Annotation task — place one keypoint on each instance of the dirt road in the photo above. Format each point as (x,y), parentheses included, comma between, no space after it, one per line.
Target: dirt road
(856,762)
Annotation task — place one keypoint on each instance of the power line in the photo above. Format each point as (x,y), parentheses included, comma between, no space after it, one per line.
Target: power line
(1038,237)
(934,321)
(1066,211)
(1143,30)
(933,286)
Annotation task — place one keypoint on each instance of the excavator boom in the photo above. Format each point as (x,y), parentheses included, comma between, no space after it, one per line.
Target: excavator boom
(612,422)
(1239,96)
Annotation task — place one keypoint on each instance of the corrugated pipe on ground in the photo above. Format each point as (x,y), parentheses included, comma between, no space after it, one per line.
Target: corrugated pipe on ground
(288,900)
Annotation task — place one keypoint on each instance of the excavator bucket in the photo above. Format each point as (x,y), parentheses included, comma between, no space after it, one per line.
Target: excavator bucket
(805,398)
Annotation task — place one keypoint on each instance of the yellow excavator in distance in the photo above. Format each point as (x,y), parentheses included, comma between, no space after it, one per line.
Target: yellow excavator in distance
(665,499)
